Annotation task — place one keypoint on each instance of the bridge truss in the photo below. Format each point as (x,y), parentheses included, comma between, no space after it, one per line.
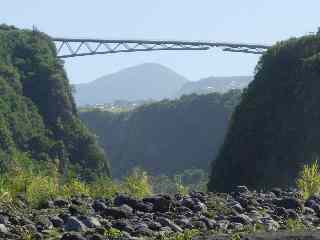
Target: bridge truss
(75,47)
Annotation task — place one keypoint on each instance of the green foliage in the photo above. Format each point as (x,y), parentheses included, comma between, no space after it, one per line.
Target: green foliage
(38,115)
(275,128)
(309,180)
(182,182)
(40,183)
(75,187)
(41,189)
(137,184)
(164,137)
(295,225)
(235,236)
(186,235)
(104,187)
(113,233)
(179,186)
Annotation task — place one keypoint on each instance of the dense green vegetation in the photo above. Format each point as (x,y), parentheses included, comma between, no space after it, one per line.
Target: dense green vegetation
(38,183)
(275,129)
(38,117)
(167,136)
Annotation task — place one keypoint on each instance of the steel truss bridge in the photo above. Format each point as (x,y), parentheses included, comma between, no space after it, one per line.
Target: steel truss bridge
(75,47)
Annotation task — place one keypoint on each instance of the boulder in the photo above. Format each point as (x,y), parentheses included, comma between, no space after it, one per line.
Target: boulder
(290,203)
(73,224)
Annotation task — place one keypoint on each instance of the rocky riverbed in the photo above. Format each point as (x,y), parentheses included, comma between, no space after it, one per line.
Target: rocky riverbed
(207,215)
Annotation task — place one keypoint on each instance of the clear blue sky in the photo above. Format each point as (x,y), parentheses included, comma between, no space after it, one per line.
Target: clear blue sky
(254,21)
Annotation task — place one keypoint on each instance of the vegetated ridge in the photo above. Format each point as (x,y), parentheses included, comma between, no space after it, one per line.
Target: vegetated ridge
(215,84)
(166,136)
(38,117)
(275,128)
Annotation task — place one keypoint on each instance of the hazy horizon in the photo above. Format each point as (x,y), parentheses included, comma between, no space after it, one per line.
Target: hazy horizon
(247,21)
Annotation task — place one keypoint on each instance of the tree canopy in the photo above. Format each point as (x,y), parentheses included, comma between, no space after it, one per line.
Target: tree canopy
(38,115)
(275,128)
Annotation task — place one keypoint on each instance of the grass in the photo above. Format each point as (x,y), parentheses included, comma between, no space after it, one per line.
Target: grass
(295,225)
(309,180)
(38,185)
(186,235)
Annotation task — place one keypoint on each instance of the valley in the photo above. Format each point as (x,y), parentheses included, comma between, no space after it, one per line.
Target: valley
(144,153)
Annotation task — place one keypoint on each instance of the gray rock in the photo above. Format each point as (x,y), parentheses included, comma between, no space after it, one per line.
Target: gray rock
(155,226)
(200,225)
(44,222)
(281,212)
(241,189)
(97,236)
(210,223)
(292,214)
(60,202)
(241,218)
(290,203)
(222,225)
(72,236)
(308,211)
(56,221)
(90,222)
(99,206)
(3,229)
(118,212)
(142,230)
(168,223)
(183,222)
(236,226)
(73,224)
(123,225)
(188,202)
(160,203)
(4,219)
(238,208)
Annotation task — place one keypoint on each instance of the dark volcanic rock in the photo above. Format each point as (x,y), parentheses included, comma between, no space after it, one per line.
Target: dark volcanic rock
(118,212)
(160,203)
(73,224)
(290,203)
(72,236)
(224,213)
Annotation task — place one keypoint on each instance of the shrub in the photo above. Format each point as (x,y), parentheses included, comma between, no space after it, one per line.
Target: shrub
(112,233)
(186,235)
(137,184)
(295,225)
(75,188)
(179,185)
(104,187)
(309,180)
(40,189)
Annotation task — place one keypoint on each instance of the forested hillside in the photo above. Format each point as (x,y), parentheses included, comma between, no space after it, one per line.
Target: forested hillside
(214,84)
(38,117)
(276,127)
(167,136)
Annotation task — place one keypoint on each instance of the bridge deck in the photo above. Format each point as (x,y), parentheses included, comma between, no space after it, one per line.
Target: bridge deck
(73,47)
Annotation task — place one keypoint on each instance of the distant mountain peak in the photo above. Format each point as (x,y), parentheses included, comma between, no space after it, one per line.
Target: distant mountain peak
(143,81)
